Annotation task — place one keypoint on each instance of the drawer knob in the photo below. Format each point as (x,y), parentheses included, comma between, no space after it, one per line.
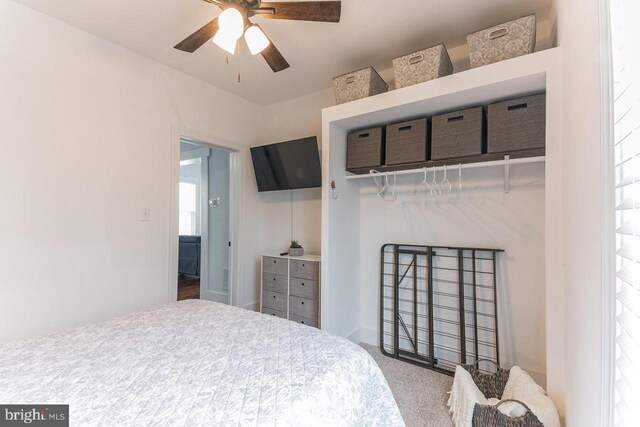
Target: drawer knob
(303,265)
(274,261)
(303,284)
(302,322)
(274,296)
(302,302)
(274,279)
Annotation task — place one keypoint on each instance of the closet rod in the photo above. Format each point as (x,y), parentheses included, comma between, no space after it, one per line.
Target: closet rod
(492,163)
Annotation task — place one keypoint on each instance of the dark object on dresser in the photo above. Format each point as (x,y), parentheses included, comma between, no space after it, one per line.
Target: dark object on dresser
(407,142)
(459,134)
(189,255)
(517,124)
(365,148)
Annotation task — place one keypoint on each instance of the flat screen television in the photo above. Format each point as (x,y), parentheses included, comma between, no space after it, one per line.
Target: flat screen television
(287,165)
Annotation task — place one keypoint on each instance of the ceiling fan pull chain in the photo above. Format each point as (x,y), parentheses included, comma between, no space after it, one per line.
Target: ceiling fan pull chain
(238,59)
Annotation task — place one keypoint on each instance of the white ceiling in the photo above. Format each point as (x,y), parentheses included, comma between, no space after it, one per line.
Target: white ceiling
(371,32)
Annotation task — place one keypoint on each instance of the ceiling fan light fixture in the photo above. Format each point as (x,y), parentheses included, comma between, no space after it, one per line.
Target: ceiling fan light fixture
(226,40)
(256,39)
(232,22)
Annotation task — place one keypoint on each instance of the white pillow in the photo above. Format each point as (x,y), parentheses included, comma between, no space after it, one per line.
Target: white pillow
(521,386)
(464,396)
(512,409)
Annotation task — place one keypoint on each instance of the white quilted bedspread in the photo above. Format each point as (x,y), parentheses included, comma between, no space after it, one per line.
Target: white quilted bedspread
(200,363)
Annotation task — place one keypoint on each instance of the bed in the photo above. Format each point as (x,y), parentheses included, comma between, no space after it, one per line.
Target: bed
(199,363)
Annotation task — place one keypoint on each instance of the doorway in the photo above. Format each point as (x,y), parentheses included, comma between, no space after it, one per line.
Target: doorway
(204,226)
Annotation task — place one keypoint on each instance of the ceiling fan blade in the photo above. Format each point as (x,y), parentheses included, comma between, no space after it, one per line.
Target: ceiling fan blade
(199,38)
(323,11)
(274,58)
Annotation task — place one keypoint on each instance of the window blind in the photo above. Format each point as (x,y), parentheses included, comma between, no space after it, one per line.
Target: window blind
(625,36)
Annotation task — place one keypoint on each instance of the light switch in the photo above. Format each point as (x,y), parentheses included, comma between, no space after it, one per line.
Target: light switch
(146,214)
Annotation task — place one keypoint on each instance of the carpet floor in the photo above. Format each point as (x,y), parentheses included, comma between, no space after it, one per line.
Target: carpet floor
(421,394)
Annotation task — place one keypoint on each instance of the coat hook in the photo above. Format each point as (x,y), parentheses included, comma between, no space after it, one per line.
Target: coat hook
(333,191)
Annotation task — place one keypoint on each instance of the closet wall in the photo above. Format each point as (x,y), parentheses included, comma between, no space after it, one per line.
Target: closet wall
(481,215)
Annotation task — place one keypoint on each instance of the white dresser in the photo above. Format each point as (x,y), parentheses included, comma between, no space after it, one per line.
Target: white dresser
(290,288)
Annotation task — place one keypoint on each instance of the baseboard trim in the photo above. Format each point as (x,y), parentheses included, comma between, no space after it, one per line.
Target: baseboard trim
(253,306)
(369,336)
(364,335)
(354,337)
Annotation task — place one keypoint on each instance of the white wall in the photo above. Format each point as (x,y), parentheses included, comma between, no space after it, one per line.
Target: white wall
(483,216)
(293,119)
(85,146)
(578,36)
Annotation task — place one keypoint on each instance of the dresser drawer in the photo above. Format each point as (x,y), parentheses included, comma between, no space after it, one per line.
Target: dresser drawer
(303,307)
(276,313)
(304,320)
(274,283)
(274,300)
(275,265)
(305,269)
(304,288)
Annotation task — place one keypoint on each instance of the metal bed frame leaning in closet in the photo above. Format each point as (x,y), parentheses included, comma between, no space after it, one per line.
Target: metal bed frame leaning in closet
(438,305)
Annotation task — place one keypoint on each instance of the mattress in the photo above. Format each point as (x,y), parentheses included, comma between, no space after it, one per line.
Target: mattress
(199,363)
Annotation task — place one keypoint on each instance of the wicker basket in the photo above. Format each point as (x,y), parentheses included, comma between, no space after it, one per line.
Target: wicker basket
(492,386)
(422,66)
(407,142)
(357,85)
(365,148)
(505,41)
(517,124)
(458,134)
(487,415)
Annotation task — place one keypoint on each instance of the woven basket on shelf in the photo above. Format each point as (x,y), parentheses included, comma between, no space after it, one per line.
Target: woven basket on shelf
(492,386)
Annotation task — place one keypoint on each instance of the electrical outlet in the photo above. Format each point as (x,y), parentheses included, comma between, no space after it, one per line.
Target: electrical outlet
(145,215)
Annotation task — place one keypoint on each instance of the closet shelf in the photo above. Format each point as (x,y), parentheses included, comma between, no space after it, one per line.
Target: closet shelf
(505,162)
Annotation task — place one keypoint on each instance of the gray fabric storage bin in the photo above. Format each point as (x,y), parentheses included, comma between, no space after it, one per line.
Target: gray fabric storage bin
(517,124)
(458,134)
(422,66)
(504,41)
(407,142)
(358,84)
(365,148)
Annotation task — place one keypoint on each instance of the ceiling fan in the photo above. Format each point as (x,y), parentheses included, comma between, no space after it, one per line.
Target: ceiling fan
(233,23)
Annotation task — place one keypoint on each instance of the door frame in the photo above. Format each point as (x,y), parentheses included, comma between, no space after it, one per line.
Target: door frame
(179,134)
(202,153)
